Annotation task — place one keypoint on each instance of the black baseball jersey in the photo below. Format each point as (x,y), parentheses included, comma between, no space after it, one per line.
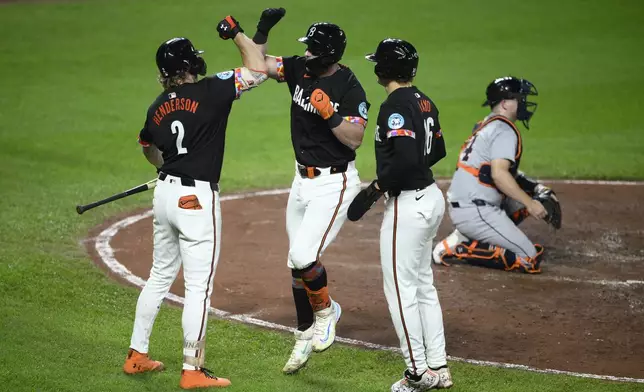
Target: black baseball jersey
(313,141)
(409,140)
(188,124)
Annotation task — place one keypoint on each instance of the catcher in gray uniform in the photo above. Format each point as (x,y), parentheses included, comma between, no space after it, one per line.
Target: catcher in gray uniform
(489,196)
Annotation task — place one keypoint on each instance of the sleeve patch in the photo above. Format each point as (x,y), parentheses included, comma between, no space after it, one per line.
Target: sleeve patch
(280,68)
(401,132)
(356,120)
(225,75)
(396,121)
(362,109)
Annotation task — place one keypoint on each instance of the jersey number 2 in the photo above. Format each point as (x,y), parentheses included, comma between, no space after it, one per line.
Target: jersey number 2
(429,135)
(177,127)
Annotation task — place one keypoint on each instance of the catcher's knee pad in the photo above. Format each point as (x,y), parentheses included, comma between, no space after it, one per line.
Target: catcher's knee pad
(490,256)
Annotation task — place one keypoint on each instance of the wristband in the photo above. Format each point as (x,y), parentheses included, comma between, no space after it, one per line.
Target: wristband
(260,38)
(335,120)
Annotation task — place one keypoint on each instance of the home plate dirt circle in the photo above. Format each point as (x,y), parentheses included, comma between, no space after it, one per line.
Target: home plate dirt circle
(584,313)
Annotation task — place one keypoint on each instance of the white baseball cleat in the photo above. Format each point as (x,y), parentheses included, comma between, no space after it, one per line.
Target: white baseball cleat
(446,246)
(301,351)
(445,378)
(409,383)
(324,327)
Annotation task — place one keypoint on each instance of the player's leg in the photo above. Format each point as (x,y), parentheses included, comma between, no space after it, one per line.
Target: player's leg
(515,210)
(402,239)
(165,265)
(430,308)
(295,209)
(200,243)
(496,242)
(328,198)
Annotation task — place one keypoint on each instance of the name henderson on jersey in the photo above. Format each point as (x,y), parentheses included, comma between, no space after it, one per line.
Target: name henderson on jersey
(305,103)
(173,105)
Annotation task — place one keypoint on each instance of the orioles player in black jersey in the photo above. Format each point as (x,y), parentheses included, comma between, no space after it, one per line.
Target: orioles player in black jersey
(408,143)
(183,137)
(328,117)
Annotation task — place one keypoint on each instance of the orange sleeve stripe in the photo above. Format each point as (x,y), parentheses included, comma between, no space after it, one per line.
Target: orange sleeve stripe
(280,68)
(356,120)
(142,142)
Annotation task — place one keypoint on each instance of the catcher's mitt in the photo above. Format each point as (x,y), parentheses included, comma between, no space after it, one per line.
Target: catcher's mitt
(364,201)
(550,202)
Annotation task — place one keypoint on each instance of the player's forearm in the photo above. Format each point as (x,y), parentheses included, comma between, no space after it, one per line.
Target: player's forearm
(153,155)
(506,183)
(349,134)
(251,55)
(263,48)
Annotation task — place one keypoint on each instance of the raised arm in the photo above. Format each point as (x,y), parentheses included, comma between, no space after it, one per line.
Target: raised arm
(252,57)
(269,18)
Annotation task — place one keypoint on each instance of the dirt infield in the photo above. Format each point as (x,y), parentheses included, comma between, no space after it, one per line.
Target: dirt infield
(585,313)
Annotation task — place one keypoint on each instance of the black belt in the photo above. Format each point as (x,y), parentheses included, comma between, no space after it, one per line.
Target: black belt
(476,202)
(415,186)
(312,171)
(189,181)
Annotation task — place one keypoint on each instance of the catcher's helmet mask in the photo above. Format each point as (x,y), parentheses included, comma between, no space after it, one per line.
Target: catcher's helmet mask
(510,87)
(177,55)
(326,42)
(395,59)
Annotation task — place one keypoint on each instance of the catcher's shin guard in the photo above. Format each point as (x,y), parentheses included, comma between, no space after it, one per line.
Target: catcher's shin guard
(490,256)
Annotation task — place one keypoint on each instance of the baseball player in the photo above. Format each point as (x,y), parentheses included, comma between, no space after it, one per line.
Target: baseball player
(488,196)
(408,143)
(183,137)
(328,117)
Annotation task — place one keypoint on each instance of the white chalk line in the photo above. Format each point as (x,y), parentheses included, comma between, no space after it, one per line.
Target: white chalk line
(106,253)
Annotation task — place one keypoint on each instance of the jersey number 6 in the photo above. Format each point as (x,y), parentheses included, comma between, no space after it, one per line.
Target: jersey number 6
(429,135)
(177,127)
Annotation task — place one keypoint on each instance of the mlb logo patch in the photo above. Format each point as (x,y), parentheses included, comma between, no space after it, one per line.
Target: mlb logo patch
(172,95)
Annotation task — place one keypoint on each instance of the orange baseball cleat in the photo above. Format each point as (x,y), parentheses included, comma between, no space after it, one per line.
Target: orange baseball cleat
(202,378)
(137,362)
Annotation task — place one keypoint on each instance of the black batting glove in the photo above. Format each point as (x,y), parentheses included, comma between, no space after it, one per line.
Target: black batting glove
(228,28)
(270,17)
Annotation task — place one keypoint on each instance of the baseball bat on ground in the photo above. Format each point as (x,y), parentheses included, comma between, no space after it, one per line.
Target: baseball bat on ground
(141,188)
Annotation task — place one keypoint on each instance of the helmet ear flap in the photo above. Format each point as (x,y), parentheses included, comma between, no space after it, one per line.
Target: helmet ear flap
(199,67)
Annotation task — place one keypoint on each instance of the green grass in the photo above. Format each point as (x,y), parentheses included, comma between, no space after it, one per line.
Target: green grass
(76,79)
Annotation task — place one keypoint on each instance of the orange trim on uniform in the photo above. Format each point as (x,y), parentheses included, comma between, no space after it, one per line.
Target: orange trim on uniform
(400,307)
(142,142)
(335,214)
(475,172)
(279,68)
(511,124)
(355,120)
